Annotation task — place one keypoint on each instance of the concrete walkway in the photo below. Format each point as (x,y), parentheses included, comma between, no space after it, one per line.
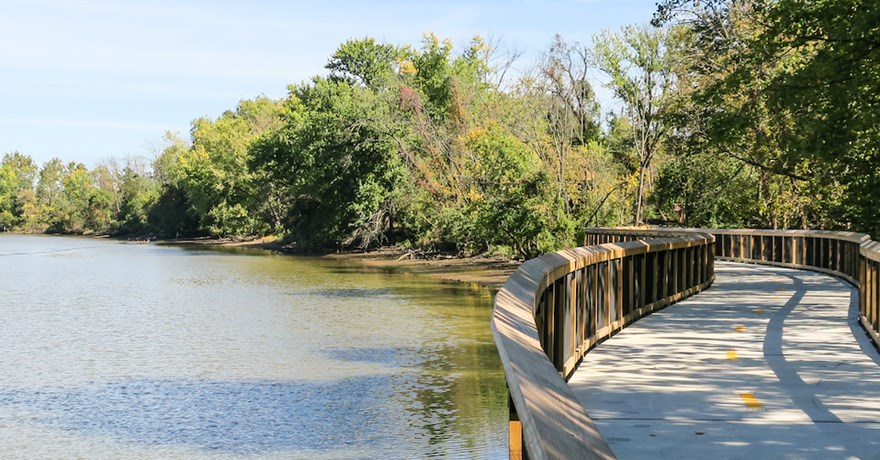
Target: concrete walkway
(768,363)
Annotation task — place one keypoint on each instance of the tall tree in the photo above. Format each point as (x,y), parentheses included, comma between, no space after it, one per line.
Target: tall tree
(333,162)
(779,85)
(215,172)
(17,174)
(569,106)
(826,75)
(365,62)
(636,63)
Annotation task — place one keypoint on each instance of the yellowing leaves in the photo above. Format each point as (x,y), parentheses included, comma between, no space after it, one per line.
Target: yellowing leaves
(474,195)
(474,134)
(406,67)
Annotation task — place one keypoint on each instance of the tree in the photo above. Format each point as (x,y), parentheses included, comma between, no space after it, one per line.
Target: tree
(108,176)
(636,63)
(17,173)
(779,85)
(565,102)
(827,70)
(139,193)
(510,200)
(365,62)
(337,162)
(172,215)
(215,172)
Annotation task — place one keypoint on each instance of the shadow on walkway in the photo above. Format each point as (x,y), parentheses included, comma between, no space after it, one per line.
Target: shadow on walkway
(769,362)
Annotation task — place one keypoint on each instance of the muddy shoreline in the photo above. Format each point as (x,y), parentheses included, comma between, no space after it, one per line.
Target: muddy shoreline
(490,272)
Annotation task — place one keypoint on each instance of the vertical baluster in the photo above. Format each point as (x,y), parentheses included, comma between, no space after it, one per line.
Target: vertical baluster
(515,444)
(642,279)
(875,295)
(863,285)
(619,290)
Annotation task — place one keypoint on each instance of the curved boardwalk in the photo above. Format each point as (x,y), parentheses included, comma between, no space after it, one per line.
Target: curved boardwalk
(768,363)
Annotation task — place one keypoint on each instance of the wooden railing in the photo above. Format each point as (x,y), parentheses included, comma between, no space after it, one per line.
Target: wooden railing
(558,306)
(853,257)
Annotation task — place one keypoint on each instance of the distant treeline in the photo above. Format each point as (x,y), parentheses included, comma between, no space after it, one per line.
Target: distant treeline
(730,114)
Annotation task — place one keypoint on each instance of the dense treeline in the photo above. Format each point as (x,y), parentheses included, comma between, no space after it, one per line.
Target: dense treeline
(732,113)
(776,113)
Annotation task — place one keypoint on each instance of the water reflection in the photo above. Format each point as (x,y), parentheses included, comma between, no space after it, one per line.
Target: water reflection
(346,292)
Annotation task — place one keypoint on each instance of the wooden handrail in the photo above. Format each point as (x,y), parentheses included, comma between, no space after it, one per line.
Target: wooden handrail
(558,306)
(848,255)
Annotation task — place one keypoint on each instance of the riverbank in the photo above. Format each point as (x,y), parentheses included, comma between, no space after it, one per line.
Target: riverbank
(490,272)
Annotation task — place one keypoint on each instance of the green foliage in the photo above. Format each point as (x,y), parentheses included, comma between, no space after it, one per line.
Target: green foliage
(139,193)
(637,64)
(68,201)
(17,173)
(332,162)
(433,74)
(714,192)
(826,76)
(215,173)
(503,200)
(780,86)
(364,62)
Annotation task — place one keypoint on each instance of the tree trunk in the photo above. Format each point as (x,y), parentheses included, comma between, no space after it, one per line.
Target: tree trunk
(640,195)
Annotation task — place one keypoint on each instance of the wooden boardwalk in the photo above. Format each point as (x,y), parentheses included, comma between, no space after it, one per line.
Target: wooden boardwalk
(767,363)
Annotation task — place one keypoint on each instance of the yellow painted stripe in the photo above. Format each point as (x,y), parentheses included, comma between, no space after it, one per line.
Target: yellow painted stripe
(781,288)
(751,401)
(758,311)
(731,355)
(740,328)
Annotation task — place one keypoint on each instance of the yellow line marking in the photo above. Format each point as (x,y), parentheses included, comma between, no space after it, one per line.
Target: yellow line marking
(758,311)
(780,289)
(731,355)
(751,401)
(740,328)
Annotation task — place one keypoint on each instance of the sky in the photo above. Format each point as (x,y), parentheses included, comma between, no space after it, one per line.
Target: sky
(90,80)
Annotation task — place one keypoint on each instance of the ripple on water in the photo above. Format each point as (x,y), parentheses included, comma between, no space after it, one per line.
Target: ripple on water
(243,417)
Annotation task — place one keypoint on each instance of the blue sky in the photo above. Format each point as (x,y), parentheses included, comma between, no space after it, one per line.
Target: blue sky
(86,80)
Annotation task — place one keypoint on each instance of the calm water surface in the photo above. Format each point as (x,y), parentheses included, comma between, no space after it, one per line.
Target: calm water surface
(115,350)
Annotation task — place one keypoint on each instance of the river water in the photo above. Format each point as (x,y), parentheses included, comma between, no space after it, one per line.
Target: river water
(117,350)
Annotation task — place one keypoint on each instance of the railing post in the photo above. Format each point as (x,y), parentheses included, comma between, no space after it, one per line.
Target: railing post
(642,280)
(516,450)
(676,269)
(619,289)
(871,294)
(693,266)
(664,273)
(631,283)
(863,284)
(656,277)
(549,323)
